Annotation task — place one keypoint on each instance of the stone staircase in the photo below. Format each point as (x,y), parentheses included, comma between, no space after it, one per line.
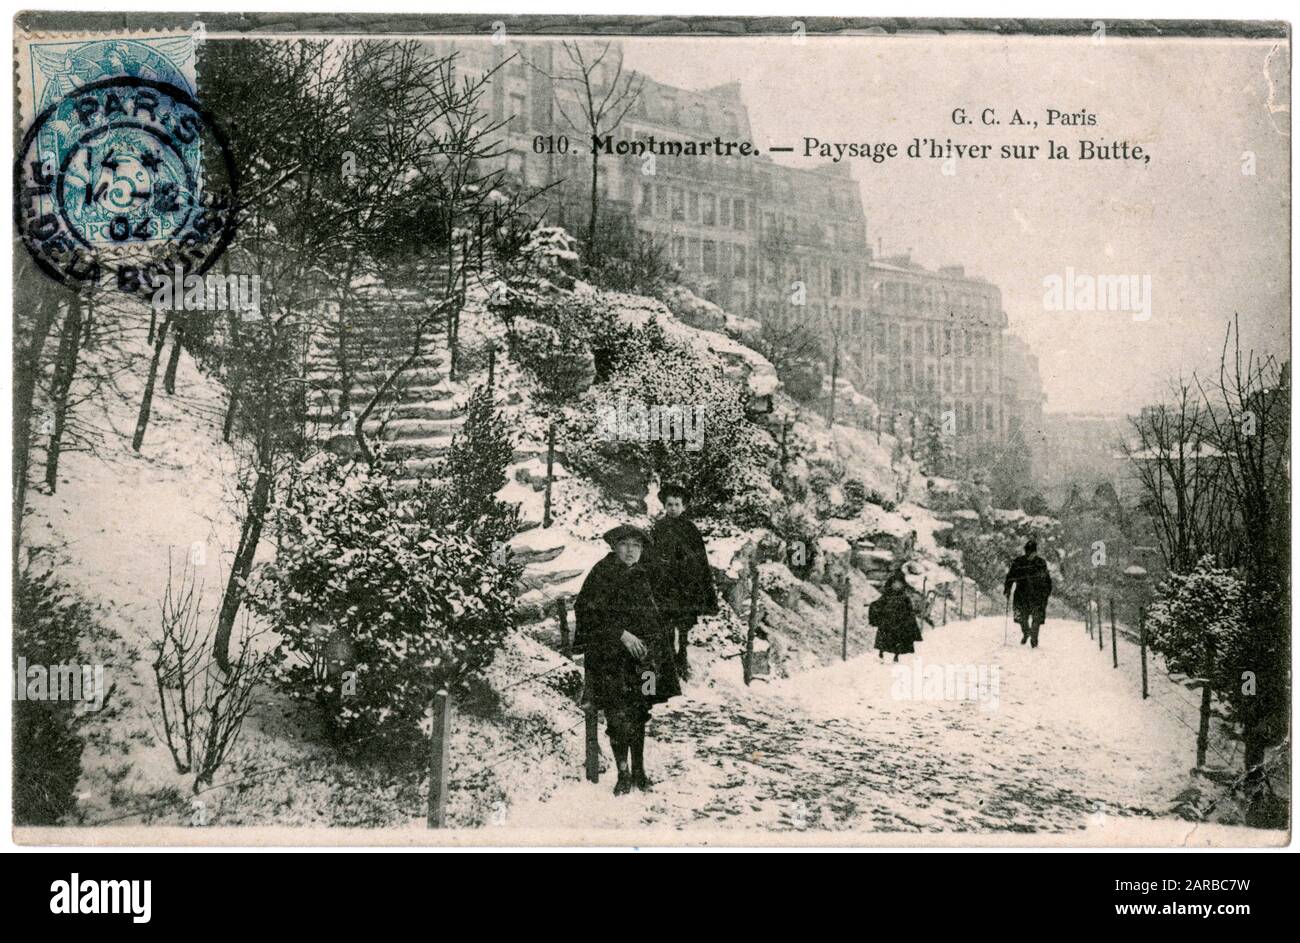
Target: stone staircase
(417,419)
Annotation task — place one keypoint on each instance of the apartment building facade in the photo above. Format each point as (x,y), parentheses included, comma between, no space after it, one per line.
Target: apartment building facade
(763,239)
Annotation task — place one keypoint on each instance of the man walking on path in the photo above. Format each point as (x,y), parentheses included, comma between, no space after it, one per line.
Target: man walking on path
(683,580)
(1033,585)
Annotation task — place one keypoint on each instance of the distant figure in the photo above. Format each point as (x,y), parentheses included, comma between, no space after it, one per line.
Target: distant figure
(683,579)
(896,627)
(1033,585)
(627,650)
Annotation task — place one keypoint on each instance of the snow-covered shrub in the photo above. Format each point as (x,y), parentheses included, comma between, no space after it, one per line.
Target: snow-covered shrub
(799,529)
(854,494)
(377,607)
(532,258)
(1207,606)
(470,475)
(629,260)
(561,362)
(620,434)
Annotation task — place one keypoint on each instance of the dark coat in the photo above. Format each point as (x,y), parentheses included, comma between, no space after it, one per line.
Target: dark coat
(683,579)
(614,599)
(896,626)
(1033,586)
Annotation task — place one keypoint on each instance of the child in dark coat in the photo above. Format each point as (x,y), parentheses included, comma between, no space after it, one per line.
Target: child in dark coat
(896,627)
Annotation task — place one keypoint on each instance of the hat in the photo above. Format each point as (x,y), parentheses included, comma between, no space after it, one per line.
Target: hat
(623,532)
(1031,545)
(674,491)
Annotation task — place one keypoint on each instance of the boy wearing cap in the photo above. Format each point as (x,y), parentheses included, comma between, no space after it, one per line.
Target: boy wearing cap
(626,648)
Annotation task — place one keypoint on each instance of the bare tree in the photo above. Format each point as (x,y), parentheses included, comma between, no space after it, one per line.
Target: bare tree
(35,312)
(1248,420)
(1177,467)
(593,94)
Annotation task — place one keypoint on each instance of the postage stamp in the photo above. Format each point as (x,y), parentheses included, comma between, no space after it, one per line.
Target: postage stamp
(120,172)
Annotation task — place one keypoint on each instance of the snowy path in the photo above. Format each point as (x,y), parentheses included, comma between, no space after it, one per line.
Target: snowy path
(1067,740)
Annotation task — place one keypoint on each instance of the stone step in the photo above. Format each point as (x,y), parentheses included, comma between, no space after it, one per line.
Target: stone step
(419,468)
(385,333)
(439,410)
(538,545)
(327,359)
(371,379)
(533,473)
(533,579)
(400,430)
(536,605)
(417,449)
(440,394)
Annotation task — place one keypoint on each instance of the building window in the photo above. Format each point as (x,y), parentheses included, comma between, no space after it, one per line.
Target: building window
(679,205)
(709,204)
(647,200)
(947,341)
(710,257)
(518,111)
(738,214)
(835,282)
(694,214)
(740,261)
(988,417)
(661,200)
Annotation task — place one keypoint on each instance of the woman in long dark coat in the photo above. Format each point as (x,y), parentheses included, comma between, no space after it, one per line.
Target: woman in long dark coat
(627,649)
(896,626)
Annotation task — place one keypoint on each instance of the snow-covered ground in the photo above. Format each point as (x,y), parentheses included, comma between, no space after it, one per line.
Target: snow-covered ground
(1052,741)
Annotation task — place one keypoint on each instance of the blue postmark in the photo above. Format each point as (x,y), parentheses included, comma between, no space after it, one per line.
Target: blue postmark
(124,177)
(110,175)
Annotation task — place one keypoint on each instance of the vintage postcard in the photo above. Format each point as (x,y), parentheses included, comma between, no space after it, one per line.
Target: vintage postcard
(463,430)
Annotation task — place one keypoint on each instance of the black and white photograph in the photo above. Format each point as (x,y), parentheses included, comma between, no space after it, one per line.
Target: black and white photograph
(474,430)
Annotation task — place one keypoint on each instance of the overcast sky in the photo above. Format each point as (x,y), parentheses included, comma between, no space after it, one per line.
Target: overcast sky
(1212,239)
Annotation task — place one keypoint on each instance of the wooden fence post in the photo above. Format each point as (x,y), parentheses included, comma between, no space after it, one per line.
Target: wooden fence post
(976,587)
(945,610)
(1142,644)
(753,619)
(593,745)
(1203,733)
(550,471)
(562,613)
(961,598)
(492,368)
(1114,648)
(844,643)
(589,716)
(1101,645)
(439,754)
